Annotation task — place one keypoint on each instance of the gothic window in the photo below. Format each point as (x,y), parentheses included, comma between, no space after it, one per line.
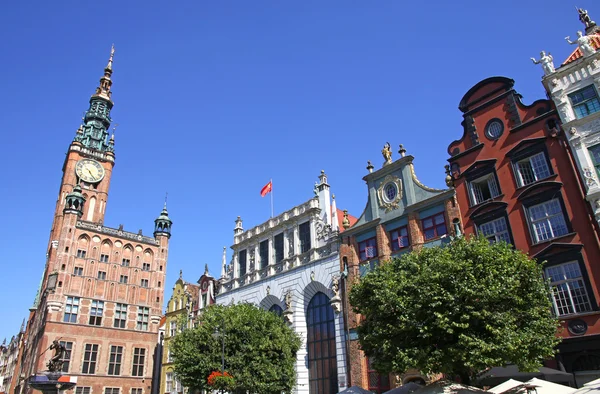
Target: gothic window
(169,382)
(322,370)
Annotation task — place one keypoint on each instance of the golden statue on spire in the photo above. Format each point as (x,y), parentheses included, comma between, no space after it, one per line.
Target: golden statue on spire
(110,59)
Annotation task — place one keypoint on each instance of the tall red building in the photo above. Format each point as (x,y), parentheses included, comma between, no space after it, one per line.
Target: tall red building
(102,288)
(515,181)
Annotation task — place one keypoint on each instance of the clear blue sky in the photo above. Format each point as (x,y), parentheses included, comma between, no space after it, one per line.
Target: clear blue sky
(214,98)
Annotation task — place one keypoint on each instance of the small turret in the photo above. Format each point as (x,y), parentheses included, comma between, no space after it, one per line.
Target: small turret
(74,201)
(238,226)
(162,224)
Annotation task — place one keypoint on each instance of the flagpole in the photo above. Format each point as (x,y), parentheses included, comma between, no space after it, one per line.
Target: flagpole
(271,198)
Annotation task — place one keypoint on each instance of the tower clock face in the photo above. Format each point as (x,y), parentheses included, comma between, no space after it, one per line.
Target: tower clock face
(89,170)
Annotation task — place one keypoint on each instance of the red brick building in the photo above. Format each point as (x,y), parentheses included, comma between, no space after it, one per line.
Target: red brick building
(401,214)
(101,293)
(515,181)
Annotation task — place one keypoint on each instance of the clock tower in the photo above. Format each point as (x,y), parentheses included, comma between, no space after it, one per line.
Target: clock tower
(102,288)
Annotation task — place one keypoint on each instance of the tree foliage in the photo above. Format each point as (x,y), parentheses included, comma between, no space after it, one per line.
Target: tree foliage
(260,350)
(457,310)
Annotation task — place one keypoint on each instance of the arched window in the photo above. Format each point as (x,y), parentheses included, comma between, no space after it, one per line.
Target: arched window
(276,309)
(322,363)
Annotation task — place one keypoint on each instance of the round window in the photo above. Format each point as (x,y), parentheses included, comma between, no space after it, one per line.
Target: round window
(494,129)
(390,192)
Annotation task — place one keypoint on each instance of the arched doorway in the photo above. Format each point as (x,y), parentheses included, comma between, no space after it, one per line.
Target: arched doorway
(276,309)
(322,363)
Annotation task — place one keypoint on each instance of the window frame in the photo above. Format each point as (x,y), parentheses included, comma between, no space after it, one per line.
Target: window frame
(104,258)
(584,103)
(169,382)
(115,360)
(279,249)
(305,237)
(243,262)
(143,318)
(487,129)
(72,305)
(83,390)
(120,311)
(528,149)
(90,359)
(101,275)
(434,226)
(584,285)
(146,266)
(398,230)
(487,177)
(123,279)
(138,361)
(66,358)
(508,231)
(264,254)
(145,283)
(517,171)
(81,253)
(532,229)
(362,247)
(595,162)
(125,262)
(96,313)
(78,271)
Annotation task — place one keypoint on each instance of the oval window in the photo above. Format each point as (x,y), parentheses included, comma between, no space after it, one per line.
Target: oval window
(494,129)
(390,192)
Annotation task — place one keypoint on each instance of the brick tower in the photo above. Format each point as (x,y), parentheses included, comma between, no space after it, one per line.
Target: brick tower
(101,292)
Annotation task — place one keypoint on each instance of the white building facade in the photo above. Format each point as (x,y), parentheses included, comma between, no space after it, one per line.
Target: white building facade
(574,87)
(290,265)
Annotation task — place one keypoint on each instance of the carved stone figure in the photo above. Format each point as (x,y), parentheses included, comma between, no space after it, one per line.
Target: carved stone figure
(316,189)
(387,153)
(547,62)
(55,363)
(566,114)
(585,18)
(335,286)
(288,300)
(584,42)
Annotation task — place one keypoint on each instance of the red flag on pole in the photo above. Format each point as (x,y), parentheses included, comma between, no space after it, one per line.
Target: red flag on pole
(266,189)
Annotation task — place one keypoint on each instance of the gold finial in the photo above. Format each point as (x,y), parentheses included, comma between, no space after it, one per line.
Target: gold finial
(110,59)
(449,178)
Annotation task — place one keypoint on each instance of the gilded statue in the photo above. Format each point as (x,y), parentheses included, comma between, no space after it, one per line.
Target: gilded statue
(387,153)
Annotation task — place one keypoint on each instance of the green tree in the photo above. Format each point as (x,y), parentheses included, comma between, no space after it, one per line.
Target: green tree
(260,349)
(456,310)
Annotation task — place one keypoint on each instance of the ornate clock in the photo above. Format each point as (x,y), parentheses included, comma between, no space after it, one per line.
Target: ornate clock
(89,170)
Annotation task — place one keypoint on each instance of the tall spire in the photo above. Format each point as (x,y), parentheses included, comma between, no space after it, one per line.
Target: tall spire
(224,263)
(93,133)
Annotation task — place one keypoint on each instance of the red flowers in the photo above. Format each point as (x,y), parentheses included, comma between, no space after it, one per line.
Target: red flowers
(220,381)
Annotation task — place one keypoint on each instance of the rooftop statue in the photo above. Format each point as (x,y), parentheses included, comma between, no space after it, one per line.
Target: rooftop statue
(585,18)
(584,42)
(387,153)
(547,62)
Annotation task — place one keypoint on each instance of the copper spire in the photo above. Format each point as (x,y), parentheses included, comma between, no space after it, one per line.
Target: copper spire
(103,90)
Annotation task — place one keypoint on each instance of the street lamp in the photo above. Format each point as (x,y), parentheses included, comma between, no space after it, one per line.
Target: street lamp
(221,334)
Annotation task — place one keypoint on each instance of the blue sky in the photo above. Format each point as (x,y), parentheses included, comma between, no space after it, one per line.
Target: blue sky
(214,98)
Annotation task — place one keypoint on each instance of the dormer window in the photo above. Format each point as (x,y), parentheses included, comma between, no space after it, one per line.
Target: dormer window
(585,101)
(483,188)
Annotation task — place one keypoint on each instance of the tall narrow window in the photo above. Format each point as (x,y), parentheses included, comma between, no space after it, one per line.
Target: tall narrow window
(142,318)
(90,356)
(434,226)
(278,245)
(568,289)
(378,383)
(547,220)
(242,261)
(120,316)
(139,358)
(71,310)
(172,328)
(304,235)
(169,382)
(276,309)
(322,363)
(367,249)
(532,169)
(585,101)
(495,230)
(114,361)
(66,358)
(483,189)
(264,253)
(400,239)
(96,311)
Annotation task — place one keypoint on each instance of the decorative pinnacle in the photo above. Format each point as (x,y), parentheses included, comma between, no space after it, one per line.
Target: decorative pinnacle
(402,151)
(369,166)
(110,59)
